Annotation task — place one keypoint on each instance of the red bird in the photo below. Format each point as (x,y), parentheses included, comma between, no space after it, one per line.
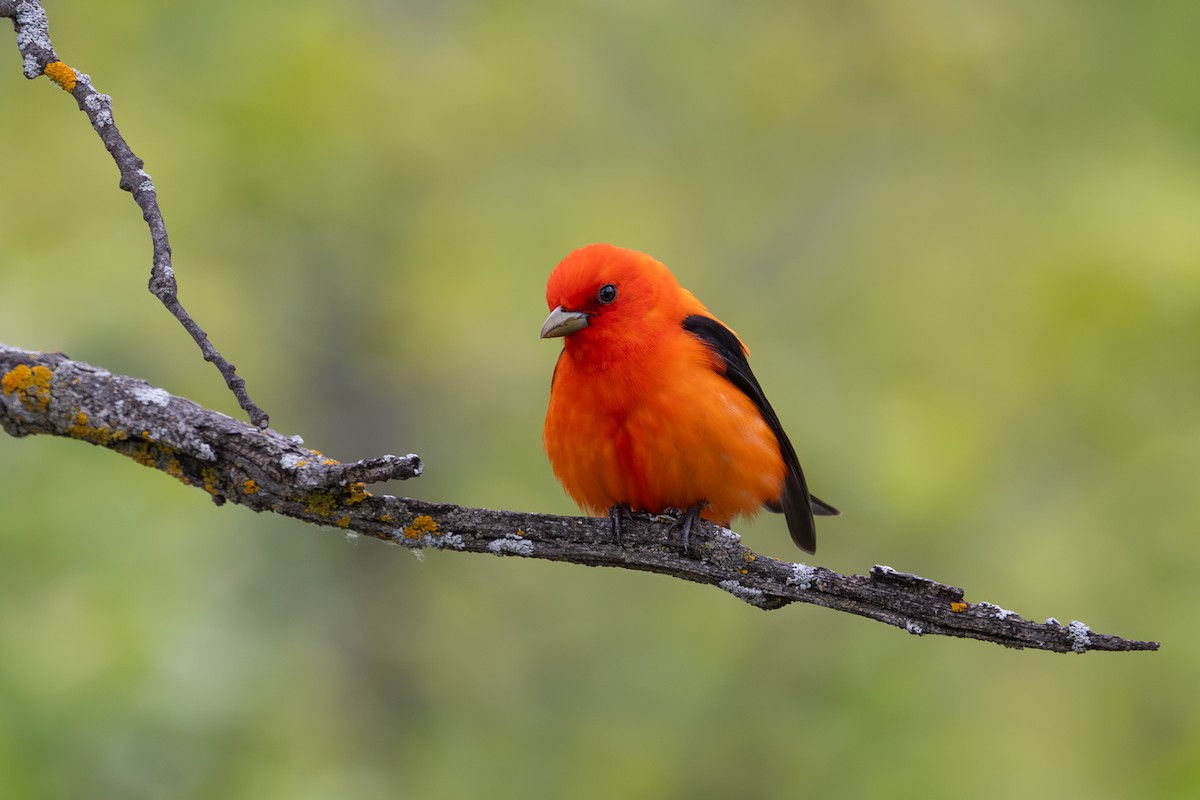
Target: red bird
(653,405)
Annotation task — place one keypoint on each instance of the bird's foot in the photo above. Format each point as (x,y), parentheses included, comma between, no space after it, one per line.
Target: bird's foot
(687,518)
(617,513)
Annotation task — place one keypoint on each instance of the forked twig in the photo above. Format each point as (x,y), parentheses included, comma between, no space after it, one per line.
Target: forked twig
(33,41)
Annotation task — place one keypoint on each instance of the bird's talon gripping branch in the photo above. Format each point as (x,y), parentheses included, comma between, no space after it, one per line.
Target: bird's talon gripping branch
(616,513)
(687,518)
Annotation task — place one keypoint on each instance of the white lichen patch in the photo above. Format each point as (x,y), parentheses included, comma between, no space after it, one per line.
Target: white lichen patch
(103,118)
(733,536)
(151,395)
(998,612)
(749,594)
(100,108)
(291,460)
(418,544)
(452,541)
(913,628)
(1081,636)
(33,29)
(512,545)
(802,576)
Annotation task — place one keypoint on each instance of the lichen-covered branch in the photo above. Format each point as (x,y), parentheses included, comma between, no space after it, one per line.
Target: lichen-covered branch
(263,470)
(39,58)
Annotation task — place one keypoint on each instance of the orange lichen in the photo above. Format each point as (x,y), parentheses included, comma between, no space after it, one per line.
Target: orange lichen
(175,470)
(96,434)
(15,378)
(324,504)
(142,453)
(32,385)
(249,486)
(358,493)
(958,606)
(150,453)
(386,517)
(209,476)
(420,526)
(321,503)
(61,74)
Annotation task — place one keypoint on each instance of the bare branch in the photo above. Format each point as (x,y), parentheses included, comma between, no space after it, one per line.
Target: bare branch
(263,470)
(39,58)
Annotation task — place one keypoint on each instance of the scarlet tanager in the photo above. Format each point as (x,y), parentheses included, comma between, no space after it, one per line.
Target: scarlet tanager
(653,405)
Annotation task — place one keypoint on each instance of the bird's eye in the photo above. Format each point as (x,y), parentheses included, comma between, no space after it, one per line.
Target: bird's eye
(607,293)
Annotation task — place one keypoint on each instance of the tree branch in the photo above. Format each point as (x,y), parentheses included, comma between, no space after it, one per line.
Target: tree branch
(33,41)
(50,394)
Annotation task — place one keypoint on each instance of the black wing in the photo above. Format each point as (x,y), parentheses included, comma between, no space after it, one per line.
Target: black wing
(797,503)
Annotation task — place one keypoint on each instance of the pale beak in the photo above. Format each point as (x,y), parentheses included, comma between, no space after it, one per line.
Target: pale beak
(563,323)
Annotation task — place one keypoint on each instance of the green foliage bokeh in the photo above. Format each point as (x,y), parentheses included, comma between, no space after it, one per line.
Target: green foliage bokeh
(961,240)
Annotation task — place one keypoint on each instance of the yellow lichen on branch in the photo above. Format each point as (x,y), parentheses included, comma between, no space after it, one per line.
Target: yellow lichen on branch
(210,478)
(358,493)
(61,74)
(322,504)
(31,385)
(96,434)
(420,526)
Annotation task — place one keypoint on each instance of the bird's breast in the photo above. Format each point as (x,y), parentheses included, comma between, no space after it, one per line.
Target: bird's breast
(665,431)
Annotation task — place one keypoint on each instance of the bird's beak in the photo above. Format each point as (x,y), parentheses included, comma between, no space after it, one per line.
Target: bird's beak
(563,323)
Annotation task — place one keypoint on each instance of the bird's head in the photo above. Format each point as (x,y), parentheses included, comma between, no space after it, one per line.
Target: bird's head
(606,293)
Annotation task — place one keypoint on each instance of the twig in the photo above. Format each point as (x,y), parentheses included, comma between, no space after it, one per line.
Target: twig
(48,393)
(33,41)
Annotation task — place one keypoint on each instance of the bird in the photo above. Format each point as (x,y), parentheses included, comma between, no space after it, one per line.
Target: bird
(653,405)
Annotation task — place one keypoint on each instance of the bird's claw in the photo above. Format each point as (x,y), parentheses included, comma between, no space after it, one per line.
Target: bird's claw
(616,513)
(683,519)
(686,519)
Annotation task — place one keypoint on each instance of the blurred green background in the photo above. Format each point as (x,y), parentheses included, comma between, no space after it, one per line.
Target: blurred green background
(961,238)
